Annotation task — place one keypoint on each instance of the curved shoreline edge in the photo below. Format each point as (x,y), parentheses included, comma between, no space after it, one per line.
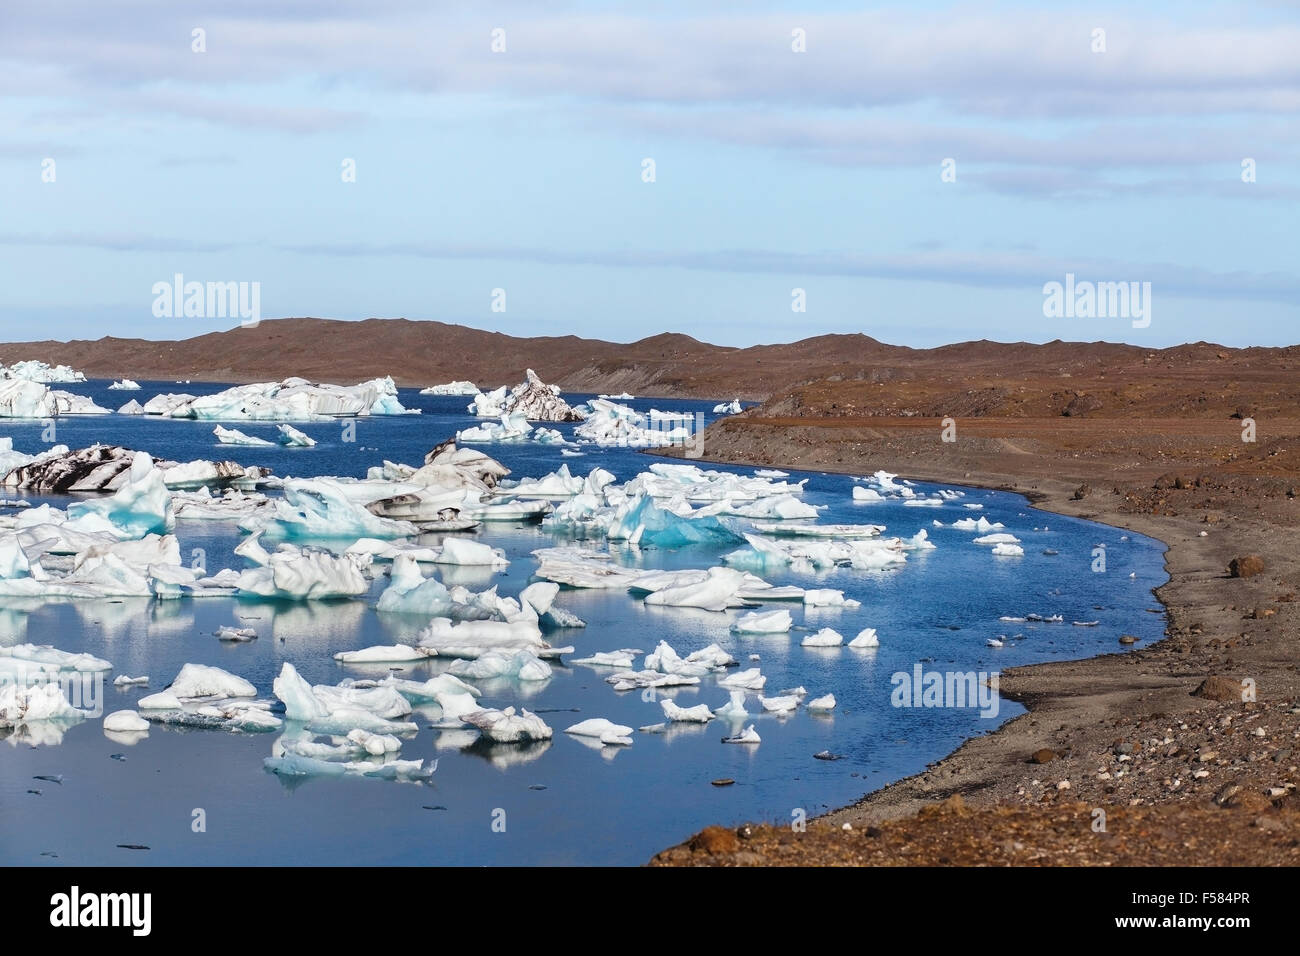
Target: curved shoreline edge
(1081,707)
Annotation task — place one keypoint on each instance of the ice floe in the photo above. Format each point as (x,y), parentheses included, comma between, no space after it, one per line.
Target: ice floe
(507,727)
(125,721)
(763,622)
(294,399)
(826,637)
(605,731)
(126,385)
(532,398)
(451,388)
(866,638)
(699,714)
(32,370)
(747,736)
(22,398)
(232,436)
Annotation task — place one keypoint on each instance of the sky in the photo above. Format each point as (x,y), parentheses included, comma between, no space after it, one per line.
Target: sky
(916,171)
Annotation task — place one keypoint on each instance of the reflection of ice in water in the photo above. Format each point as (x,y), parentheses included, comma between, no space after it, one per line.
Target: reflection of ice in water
(505,756)
(13,624)
(594,743)
(38,733)
(306,623)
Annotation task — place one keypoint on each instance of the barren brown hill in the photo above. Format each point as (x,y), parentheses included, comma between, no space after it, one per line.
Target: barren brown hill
(824,376)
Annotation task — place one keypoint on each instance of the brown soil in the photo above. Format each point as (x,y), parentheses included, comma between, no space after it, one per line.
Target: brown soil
(1182,778)
(829,375)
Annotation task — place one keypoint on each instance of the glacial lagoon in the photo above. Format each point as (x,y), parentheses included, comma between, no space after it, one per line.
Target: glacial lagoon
(568,800)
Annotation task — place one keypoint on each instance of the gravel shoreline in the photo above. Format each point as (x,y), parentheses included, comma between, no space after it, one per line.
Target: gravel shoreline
(1163,726)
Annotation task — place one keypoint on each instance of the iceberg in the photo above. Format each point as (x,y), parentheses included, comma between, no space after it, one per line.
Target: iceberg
(522,666)
(747,736)
(125,721)
(451,388)
(699,714)
(507,727)
(826,637)
(294,399)
(22,398)
(201,680)
(822,704)
(322,509)
(512,427)
(1008,550)
(728,408)
(142,506)
(305,575)
(290,437)
(749,679)
(780,705)
(764,622)
(733,709)
(866,638)
(131,408)
(826,597)
(383,654)
(126,385)
(36,371)
(232,436)
(606,732)
(622,659)
(717,592)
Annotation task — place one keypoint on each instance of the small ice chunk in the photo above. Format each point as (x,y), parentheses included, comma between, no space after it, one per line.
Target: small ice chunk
(747,736)
(866,638)
(382,654)
(764,622)
(826,637)
(125,721)
(733,709)
(699,714)
(822,704)
(603,730)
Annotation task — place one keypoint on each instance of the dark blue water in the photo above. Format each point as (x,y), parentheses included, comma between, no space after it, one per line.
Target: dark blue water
(562,802)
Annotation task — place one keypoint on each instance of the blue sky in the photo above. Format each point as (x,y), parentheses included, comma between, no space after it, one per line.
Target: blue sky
(775,170)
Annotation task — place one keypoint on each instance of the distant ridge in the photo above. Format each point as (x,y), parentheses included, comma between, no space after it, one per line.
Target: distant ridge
(418,353)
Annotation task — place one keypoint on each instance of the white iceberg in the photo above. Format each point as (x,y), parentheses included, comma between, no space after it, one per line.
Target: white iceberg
(125,721)
(764,622)
(747,736)
(699,714)
(290,437)
(126,385)
(606,732)
(505,726)
(451,388)
(826,637)
(866,638)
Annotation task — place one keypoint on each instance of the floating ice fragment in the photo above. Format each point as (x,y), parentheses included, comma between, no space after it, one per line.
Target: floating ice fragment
(699,714)
(826,637)
(822,704)
(505,726)
(866,638)
(125,721)
(747,736)
(603,730)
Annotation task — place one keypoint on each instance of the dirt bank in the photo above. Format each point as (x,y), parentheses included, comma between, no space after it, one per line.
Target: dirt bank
(1181,777)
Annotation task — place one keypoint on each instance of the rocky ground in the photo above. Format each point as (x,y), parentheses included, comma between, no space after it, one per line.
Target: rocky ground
(1164,744)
